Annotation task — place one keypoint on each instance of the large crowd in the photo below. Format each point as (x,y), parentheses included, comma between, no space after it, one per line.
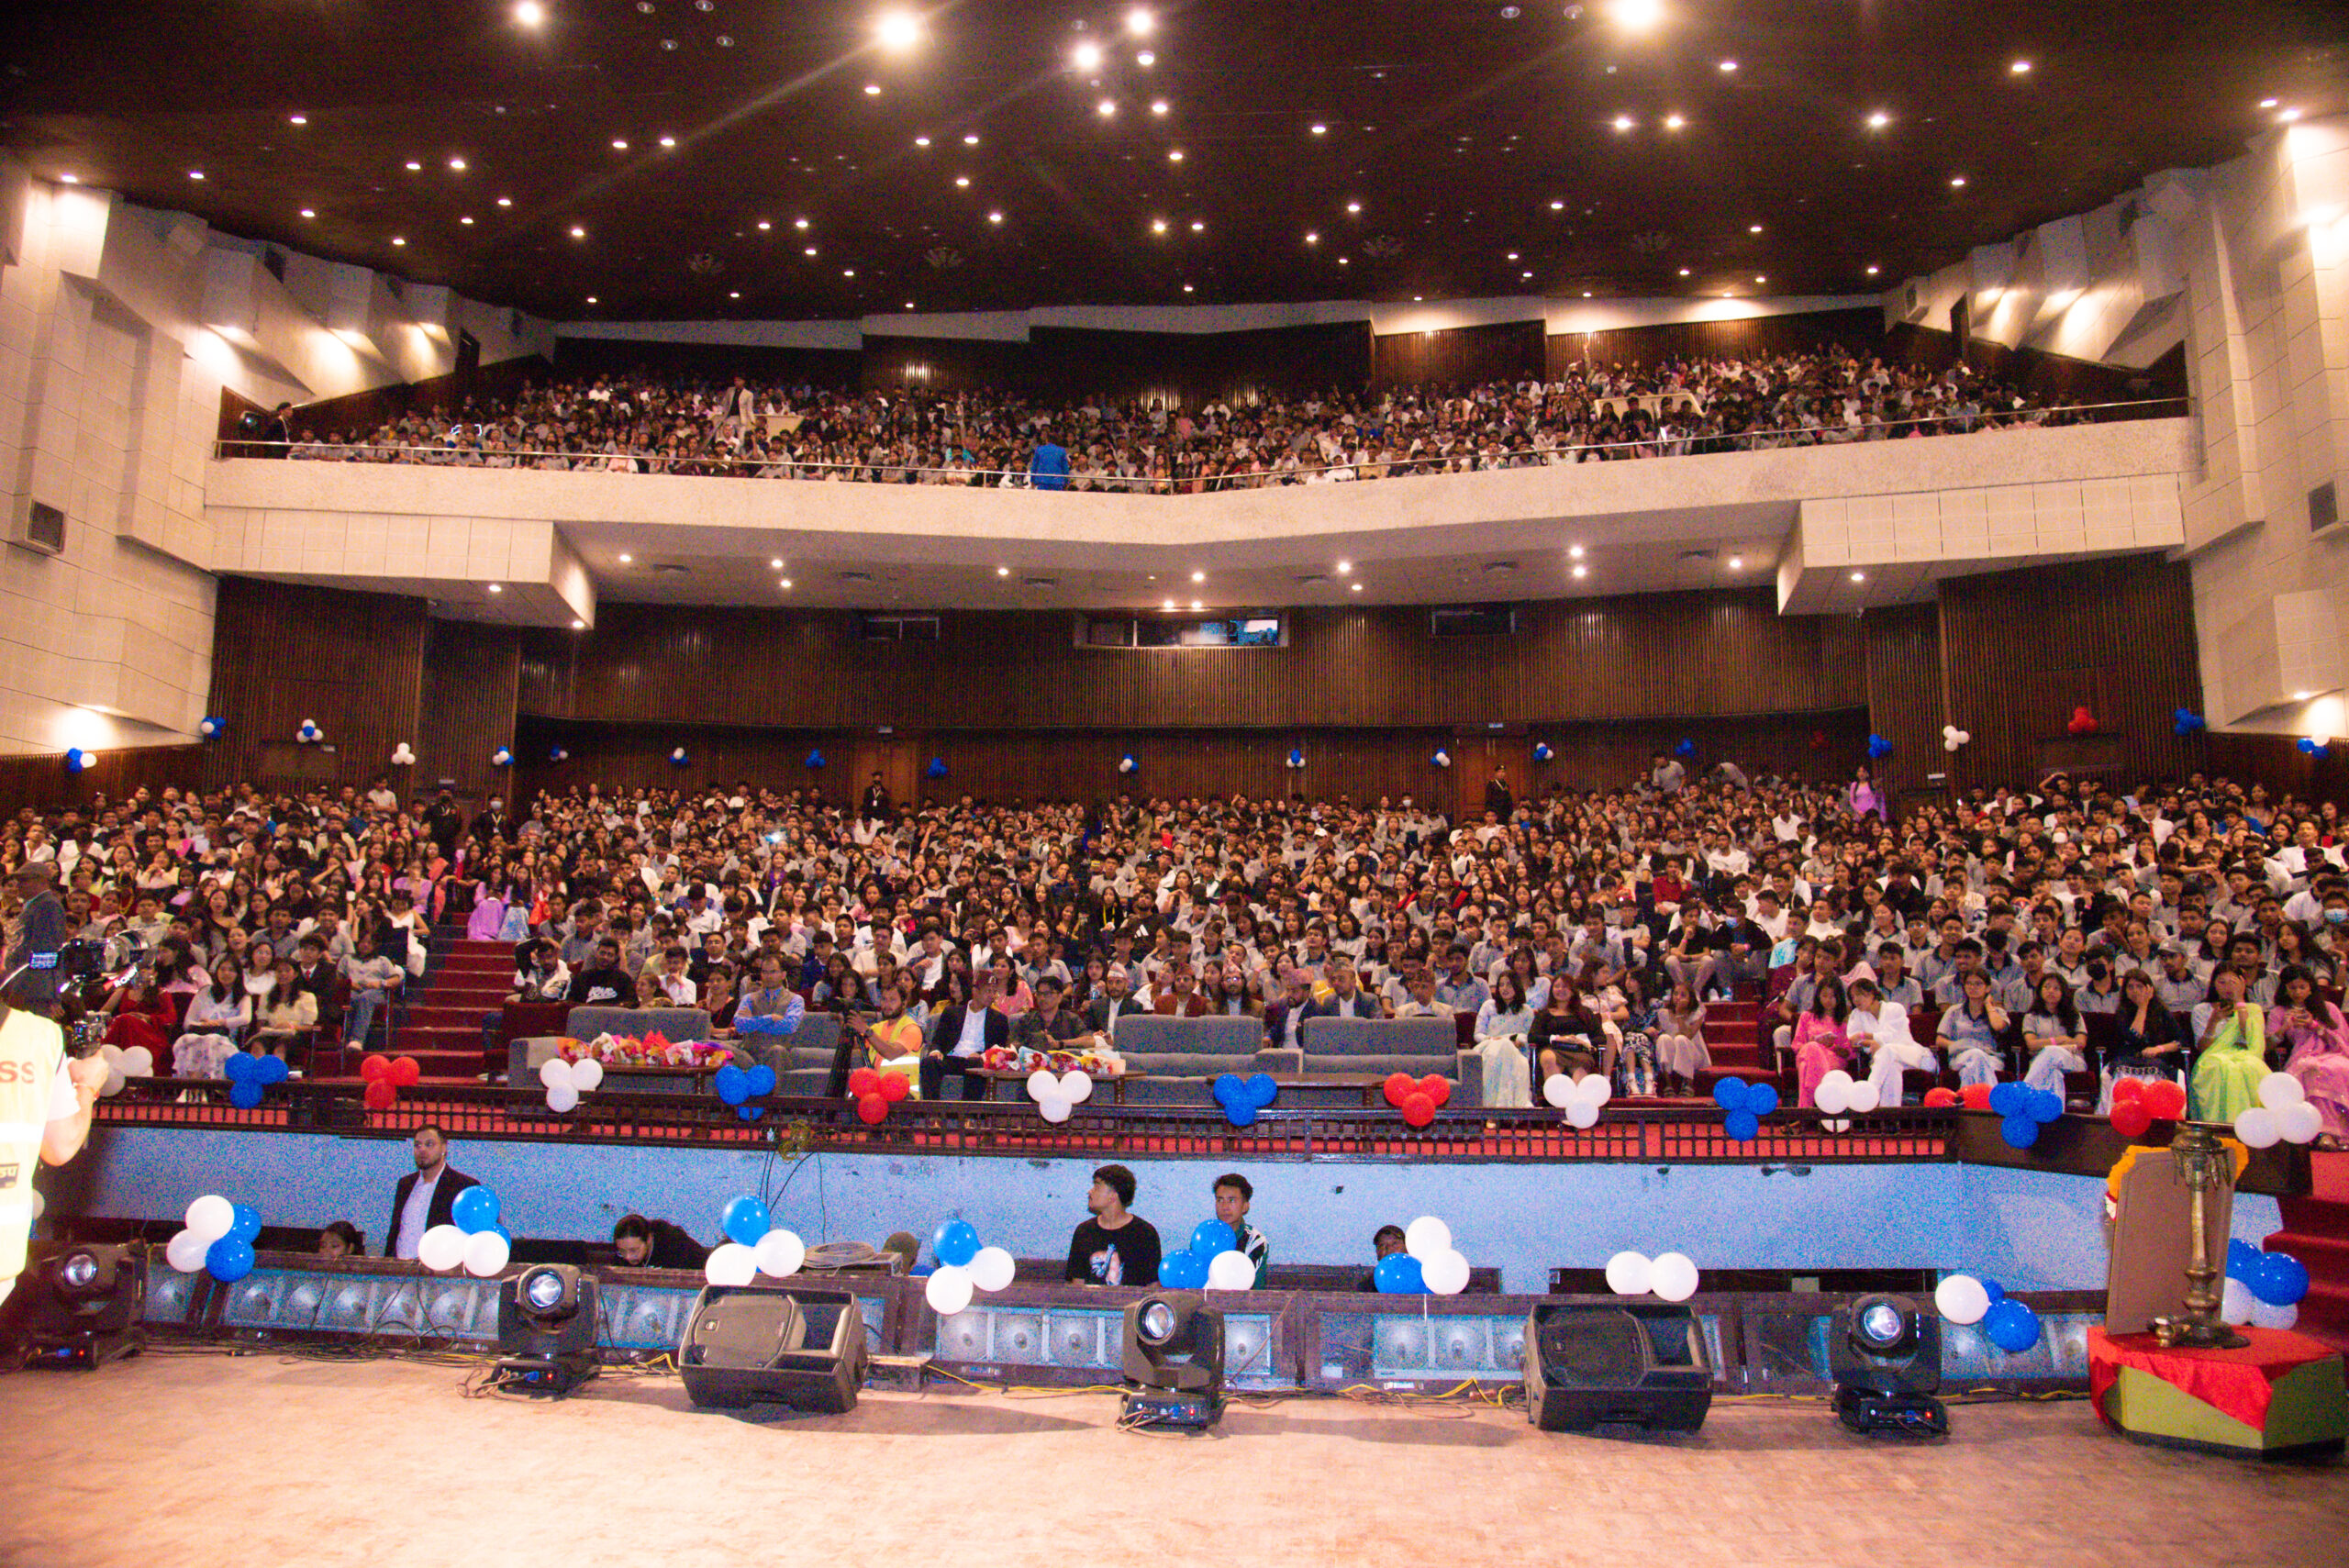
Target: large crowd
(2206,924)
(1590,414)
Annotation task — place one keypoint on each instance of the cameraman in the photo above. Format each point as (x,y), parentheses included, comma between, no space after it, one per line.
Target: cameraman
(45,931)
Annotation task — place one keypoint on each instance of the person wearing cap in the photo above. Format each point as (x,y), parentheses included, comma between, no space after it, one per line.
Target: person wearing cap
(2180,988)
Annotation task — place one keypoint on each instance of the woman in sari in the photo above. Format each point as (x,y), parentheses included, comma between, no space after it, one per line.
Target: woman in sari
(2318,1040)
(2229,1050)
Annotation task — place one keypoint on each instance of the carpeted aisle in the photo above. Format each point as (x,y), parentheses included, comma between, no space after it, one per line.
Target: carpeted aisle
(207,1460)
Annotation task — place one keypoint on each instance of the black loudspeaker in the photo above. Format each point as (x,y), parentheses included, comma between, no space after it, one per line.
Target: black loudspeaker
(1642,1366)
(745,1344)
(80,1307)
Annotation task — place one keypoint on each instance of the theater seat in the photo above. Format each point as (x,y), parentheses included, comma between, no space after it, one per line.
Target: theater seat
(1181,1058)
(1376,1047)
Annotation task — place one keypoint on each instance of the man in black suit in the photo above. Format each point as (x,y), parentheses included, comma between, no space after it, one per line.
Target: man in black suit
(1116,1001)
(427,1196)
(964,1033)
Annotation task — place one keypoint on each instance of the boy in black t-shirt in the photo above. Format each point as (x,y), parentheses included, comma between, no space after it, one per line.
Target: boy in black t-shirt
(1113,1247)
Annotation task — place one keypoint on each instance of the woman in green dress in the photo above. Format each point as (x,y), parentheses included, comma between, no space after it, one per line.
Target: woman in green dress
(2229,1050)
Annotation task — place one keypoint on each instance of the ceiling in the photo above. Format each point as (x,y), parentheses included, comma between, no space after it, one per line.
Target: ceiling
(1462,132)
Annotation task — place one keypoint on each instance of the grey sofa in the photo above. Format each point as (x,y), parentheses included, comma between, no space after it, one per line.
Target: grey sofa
(1380,1046)
(1183,1057)
(525,1056)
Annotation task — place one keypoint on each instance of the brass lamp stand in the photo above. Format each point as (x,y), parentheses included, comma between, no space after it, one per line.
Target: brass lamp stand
(2205,1165)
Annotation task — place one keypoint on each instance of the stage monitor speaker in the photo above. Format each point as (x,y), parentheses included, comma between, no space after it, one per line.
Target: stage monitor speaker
(745,1344)
(1591,1366)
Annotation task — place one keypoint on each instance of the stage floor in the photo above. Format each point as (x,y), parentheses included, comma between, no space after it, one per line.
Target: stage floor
(203,1460)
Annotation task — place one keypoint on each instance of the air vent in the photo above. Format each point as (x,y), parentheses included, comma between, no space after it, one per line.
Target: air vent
(44,529)
(670,569)
(1473,620)
(1042,581)
(856,576)
(2325,509)
(1695,555)
(1500,568)
(898,628)
(1310,578)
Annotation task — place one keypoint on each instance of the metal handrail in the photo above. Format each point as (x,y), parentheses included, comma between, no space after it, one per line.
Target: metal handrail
(998,478)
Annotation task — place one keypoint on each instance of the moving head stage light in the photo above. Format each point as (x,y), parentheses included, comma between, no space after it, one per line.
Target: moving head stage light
(1885,1356)
(82,1307)
(1174,1362)
(546,1331)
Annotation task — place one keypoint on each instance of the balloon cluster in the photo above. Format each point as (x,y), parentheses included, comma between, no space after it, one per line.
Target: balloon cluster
(1442,759)
(874,1092)
(248,1075)
(1428,1263)
(2282,1116)
(76,759)
(2023,1111)
(2082,722)
(1953,736)
(937,768)
(2263,1289)
(1126,763)
(501,758)
(753,1246)
(2316,746)
(677,757)
(557,754)
(124,1065)
(963,1266)
(1878,746)
(1579,1099)
(309,733)
(1670,1275)
(1686,747)
(402,755)
(1541,752)
(2185,721)
(211,728)
(1418,1098)
(2138,1102)
(384,1077)
(1296,756)
(1241,1099)
(816,759)
(218,1239)
(1839,1092)
(1057,1096)
(2007,1323)
(1747,1101)
(477,1243)
(567,1079)
(737,1085)
(1212,1262)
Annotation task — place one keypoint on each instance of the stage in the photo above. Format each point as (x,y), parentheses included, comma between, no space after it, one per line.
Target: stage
(205,1459)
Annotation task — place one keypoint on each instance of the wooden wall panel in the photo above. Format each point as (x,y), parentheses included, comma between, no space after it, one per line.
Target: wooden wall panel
(471,676)
(1904,681)
(42,783)
(283,653)
(1458,356)
(1857,332)
(2021,649)
(2277,762)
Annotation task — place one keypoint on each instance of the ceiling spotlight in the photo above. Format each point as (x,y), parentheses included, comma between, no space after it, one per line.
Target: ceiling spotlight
(497,587)
(734,294)
(847,272)
(1158,105)
(1737,564)
(1345,568)
(1623,123)
(298,119)
(1957,179)
(1140,23)
(783,583)
(1145,60)
(2288,116)
(1879,120)
(1187,288)
(1760,278)
(398,241)
(1754,228)
(922,141)
(776,563)
(764,225)
(1003,570)
(413,165)
(76,179)
(799,223)
(873,89)
(1088,56)
(1107,108)
(578,625)
(1581,572)
(1859,577)
(529,13)
(1197,606)
(898,30)
(1173,155)
(1525,274)
(467,220)
(1558,206)
(1511,256)
(591,300)
(1575,552)
(1355,586)
(1353,206)
(307,212)
(506,201)
(1728,65)
(961,182)
(577,232)
(1197,225)
(1873,271)
(668,142)
(1585,294)
(2020,68)
(626,557)
(1321,129)
(1199,576)
(972,139)
(995,218)
(1684,271)
(810,250)
(1313,240)
(1167,605)
(1158,226)
(1673,122)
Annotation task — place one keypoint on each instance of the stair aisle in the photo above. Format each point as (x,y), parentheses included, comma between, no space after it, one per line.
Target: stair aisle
(1732,1035)
(2315,1231)
(440,1023)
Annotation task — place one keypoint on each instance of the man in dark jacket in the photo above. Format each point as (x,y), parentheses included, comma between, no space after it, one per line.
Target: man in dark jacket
(426,1195)
(963,1036)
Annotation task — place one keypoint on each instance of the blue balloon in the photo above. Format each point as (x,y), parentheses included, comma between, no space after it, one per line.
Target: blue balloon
(2046,1106)
(2019,1131)
(1686,747)
(1229,1090)
(1262,1089)
(1183,1271)
(272,1069)
(1243,1115)
(733,1085)
(2012,1326)
(1992,1289)
(476,1210)
(937,769)
(2241,1257)
(245,1094)
(246,1226)
(750,1113)
(238,1068)
(744,1219)
(1398,1274)
(1761,1098)
(2277,1279)
(923,1270)
(2007,1099)
(1729,1094)
(955,1241)
(228,1260)
(1212,1235)
(758,1080)
(1743,1126)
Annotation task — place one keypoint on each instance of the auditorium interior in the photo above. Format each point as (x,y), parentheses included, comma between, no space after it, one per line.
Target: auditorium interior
(1609,736)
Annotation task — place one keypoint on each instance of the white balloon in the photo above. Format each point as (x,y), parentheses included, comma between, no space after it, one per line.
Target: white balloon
(1076,1088)
(555,1069)
(992,1269)
(562,1099)
(1594,1090)
(949,1290)
(586,1073)
(115,1082)
(1042,1087)
(185,1252)
(1962,1299)
(110,1051)
(1054,1109)
(1965,736)
(1582,1114)
(1835,1125)
(1867,1094)
(1559,1090)
(1834,1095)
(487,1253)
(1446,1274)
(1627,1274)
(1231,1271)
(779,1254)
(2259,1128)
(138,1062)
(2266,1317)
(1673,1276)
(210,1217)
(730,1263)
(2299,1123)
(442,1248)
(2279,1090)
(1949,743)
(1427,1237)
(2235,1302)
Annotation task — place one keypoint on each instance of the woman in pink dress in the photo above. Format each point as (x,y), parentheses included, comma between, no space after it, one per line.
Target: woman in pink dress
(1821,1043)
(2318,1040)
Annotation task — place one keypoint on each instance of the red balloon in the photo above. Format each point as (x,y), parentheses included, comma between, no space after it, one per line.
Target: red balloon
(2130,1118)
(1436,1087)
(1940,1096)
(381,1096)
(1419,1110)
(894,1086)
(1399,1087)
(864,1082)
(2128,1091)
(406,1071)
(1976,1096)
(2165,1100)
(373,1067)
(871,1109)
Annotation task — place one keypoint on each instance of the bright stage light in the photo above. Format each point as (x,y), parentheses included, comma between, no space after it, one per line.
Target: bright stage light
(897,30)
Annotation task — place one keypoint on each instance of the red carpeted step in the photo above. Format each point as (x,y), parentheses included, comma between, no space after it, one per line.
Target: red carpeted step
(430,1012)
(2315,1231)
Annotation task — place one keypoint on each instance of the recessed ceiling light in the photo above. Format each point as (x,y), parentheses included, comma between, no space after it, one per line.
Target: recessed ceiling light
(970,140)
(467,220)
(776,563)
(922,141)
(1312,239)
(620,144)
(2267,102)
(847,272)
(799,223)
(1187,288)
(1737,564)
(1879,120)
(1353,206)
(909,304)
(497,587)
(1199,576)
(2302,696)
(1173,155)
(626,557)
(1512,256)
(1319,129)
(529,13)
(1582,571)
(1166,605)
(577,232)
(1003,570)
(1859,577)
(1637,15)
(1684,271)
(783,582)
(1728,65)
(1624,122)
(1140,23)
(1145,60)
(458,164)
(961,182)
(1956,180)
(397,240)
(1355,586)
(1558,206)
(1198,227)
(1873,271)
(898,30)
(1525,274)
(76,179)
(413,165)
(506,201)
(1575,551)
(1585,294)
(1088,56)
(873,89)
(2288,116)
(2020,68)
(578,625)
(298,119)
(1158,105)
(764,225)
(1106,107)
(734,294)
(1754,228)
(810,250)
(591,300)
(1673,122)
(1345,568)
(995,218)
(668,142)
(1760,278)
